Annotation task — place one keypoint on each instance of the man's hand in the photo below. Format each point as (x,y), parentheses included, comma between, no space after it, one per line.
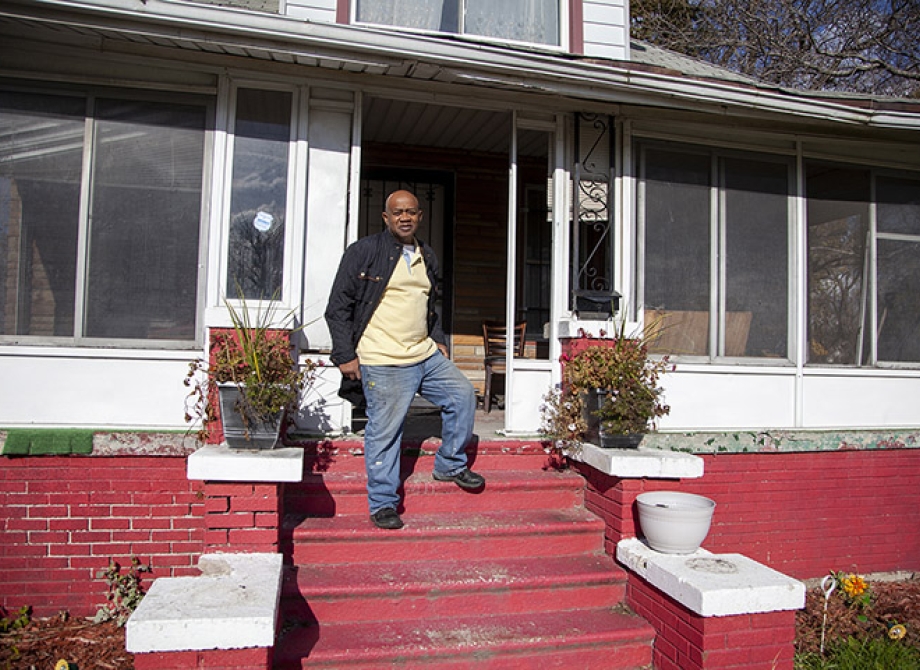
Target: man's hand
(443,349)
(351,369)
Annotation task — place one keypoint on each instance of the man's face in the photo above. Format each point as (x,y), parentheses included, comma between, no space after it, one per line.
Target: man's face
(402,216)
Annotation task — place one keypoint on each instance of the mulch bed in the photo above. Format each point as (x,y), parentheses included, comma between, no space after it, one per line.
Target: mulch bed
(90,646)
(895,602)
(83,644)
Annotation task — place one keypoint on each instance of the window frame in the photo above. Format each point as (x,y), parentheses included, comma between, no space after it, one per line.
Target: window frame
(90,94)
(295,194)
(718,229)
(869,358)
(563,26)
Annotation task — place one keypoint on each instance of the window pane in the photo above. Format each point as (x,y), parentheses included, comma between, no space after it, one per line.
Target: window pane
(534,21)
(756,230)
(41,155)
(898,211)
(898,205)
(838,221)
(258,200)
(146,205)
(435,15)
(898,301)
(677,247)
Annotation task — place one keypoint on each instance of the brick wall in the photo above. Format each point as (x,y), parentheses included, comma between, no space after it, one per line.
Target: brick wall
(686,641)
(800,513)
(64,517)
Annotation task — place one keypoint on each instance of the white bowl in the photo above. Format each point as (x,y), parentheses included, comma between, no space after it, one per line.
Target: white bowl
(674,522)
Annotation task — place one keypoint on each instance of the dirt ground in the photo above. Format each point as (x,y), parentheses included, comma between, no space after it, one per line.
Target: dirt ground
(88,646)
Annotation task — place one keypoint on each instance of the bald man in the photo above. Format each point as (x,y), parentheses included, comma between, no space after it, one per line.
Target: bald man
(386,335)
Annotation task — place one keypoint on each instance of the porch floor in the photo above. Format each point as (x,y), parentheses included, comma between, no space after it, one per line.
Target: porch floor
(424,422)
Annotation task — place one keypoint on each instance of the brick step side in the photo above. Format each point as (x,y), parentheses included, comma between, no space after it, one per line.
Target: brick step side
(590,638)
(460,535)
(408,589)
(339,494)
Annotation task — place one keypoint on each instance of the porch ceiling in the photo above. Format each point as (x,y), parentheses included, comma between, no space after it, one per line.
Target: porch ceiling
(102,24)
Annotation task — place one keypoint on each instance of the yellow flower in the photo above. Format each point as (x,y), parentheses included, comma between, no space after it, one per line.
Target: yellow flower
(854,585)
(62,665)
(897,631)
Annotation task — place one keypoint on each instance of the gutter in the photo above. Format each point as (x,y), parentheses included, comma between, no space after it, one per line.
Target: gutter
(467,61)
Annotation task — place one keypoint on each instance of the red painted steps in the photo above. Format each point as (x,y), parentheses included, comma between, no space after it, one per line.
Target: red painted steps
(408,589)
(513,576)
(459,534)
(345,493)
(590,638)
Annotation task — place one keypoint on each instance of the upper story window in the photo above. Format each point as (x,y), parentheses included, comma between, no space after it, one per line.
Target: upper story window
(530,21)
(100,212)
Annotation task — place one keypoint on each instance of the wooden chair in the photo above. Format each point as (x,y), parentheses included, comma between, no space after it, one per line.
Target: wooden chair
(496,339)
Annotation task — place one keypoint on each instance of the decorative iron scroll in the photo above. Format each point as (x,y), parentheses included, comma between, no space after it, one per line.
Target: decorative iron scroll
(592,266)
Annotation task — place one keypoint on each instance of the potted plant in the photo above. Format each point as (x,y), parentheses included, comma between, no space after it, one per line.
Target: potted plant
(255,376)
(610,394)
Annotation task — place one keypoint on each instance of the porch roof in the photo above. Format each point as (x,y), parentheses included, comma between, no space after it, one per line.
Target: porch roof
(653,76)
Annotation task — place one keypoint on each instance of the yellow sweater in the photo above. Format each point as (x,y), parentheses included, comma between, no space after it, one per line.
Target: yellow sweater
(397,333)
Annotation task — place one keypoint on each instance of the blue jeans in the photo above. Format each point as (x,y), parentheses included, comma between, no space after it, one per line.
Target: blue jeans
(389,390)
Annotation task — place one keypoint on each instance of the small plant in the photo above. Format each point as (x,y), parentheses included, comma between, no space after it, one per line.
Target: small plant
(255,356)
(628,379)
(868,654)
(124,592)
(10,623)
(855,589)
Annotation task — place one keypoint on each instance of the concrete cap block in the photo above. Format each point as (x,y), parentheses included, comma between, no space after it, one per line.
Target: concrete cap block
(640,462)
(232,605)
(713,584)
(220,463)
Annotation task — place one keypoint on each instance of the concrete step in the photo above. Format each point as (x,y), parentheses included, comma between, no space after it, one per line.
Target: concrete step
(345,493)
(460,534)
(390,591)
(589,638)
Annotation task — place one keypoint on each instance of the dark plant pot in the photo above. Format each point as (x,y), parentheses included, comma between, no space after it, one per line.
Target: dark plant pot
(591,402)
(620,440)
(237,435)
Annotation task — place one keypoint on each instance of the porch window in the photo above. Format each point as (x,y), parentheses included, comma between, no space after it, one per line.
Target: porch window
(258,198)
(530,21)
(100,204)
(863,266)
(716,250)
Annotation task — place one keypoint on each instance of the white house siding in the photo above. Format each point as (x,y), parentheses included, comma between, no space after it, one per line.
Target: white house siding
(115,389)
(606,28)
(856,399)
(311,10)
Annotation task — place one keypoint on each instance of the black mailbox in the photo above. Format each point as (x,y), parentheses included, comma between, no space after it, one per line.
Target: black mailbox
(596,305)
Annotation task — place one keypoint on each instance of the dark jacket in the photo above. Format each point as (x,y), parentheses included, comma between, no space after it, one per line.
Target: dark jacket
(363,274)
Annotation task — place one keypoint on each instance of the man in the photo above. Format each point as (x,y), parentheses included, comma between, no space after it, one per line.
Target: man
(386,333)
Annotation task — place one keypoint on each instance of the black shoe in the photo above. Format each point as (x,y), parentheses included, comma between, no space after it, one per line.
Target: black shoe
(465,479)
(387,518)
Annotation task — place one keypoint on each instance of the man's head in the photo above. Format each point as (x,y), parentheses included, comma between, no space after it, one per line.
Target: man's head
(402,216)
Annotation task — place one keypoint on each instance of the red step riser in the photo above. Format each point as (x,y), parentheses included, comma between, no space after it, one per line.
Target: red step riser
(609,657)
(349,458)
(424,606)
(432,500)
(458,548)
